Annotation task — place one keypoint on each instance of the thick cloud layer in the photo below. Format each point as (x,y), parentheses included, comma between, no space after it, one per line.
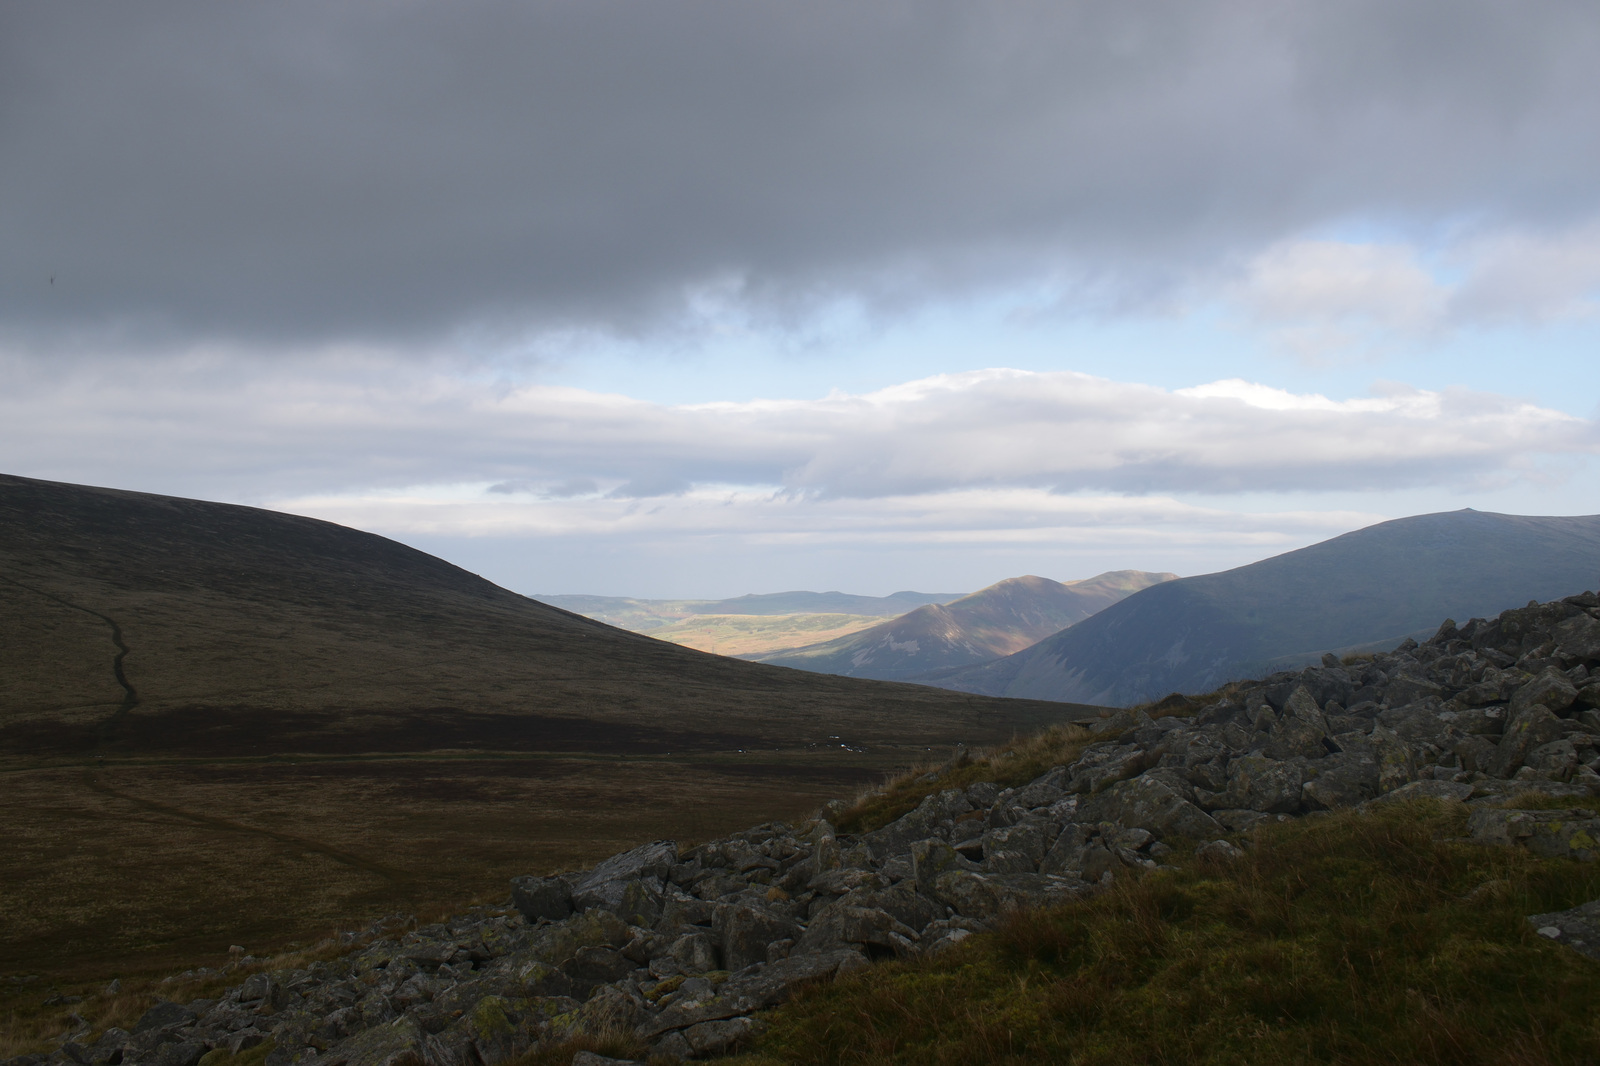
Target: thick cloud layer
(292,433)
(304,172)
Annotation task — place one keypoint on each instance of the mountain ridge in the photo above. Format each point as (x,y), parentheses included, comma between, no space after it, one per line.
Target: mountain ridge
(1366,588)
(1003,618)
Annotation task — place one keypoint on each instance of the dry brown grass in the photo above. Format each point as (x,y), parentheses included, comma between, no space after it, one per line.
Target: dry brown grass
(147,869)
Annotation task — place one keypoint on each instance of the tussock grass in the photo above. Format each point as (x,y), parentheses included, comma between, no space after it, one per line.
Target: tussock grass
(1350,938)
(612,1043)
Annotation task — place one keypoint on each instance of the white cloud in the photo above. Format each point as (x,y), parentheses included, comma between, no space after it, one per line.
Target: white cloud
(286,435)
(1535,277)
(1320,299)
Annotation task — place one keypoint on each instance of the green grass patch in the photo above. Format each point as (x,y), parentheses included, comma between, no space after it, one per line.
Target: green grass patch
(1349,938)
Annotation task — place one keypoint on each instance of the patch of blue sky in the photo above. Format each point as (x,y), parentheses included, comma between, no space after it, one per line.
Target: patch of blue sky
(1550,364)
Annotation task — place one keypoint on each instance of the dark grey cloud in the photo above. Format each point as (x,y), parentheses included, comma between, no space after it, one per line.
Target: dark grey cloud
(305,172)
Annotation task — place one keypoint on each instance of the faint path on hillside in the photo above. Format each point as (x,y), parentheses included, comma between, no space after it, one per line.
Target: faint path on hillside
(130,697)
(223,825)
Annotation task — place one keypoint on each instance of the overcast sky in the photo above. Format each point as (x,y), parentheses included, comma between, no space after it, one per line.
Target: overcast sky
(698,299)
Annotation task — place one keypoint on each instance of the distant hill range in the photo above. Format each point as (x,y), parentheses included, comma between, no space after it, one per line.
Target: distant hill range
(642,615)
(1005,617)
(1366,590)
(748,626)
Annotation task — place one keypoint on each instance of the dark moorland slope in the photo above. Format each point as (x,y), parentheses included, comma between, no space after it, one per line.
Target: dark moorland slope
(999,620)
(1372,587)
(135,622)
(256,725)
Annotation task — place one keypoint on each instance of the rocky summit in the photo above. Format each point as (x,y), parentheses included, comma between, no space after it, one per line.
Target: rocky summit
(684,948)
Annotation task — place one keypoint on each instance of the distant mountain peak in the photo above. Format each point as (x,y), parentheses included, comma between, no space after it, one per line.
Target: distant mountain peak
(1373,586)
(994,621)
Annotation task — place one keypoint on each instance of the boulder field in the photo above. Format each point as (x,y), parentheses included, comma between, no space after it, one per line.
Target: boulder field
(684,947)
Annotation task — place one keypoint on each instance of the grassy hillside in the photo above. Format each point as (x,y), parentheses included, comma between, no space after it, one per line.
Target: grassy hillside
(1004,618)
(1371,587)
(256,726)
(1353,938)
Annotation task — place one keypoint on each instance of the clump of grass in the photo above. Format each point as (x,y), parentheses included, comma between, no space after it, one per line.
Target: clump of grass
(612,1043)
(1011,766)
(1352,938)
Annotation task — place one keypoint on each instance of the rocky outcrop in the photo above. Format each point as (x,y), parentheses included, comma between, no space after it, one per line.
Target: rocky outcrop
(685,948)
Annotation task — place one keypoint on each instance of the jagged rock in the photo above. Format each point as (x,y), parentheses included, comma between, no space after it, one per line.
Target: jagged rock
(1532,724)
(1100,769)
(1550,690)
(932,858)
(1148,802)
(1441,790)
(750,991)
(401,1042)
(1407,688)
(1258,783)
(1344,780)
(1552,834)
(629,881)
(1220,851)
(555,944)
(547,898)
(1395,760)
(745,933)
(1477,720)
(1578,928)
(929,819)
(695,952)
(1557,760)
(180,1053)
(589,1058)
(164,1016)
(1027,839)
(839,926)
(1578,637)
(714,1038)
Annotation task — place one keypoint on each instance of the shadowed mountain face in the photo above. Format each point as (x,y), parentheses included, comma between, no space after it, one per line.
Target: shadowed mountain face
(137,622)
(1003,618)
(1362,591)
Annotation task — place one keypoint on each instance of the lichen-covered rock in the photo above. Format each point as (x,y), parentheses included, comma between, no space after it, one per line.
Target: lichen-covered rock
(1532,725)
(401,1042)
(1147,802)
(1577,928)
(746,931)
(1571,834)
